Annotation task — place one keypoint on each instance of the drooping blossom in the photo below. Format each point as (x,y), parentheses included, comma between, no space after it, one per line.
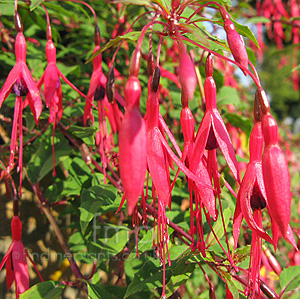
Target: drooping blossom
(202,195)
(15,260)
(275,169)
(212,132)
(97,92)
(52,86)
(21,83)
(252,193)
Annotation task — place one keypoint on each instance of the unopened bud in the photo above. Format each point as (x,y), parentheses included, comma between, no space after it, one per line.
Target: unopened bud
(97,36)
(151,64)
(224,14)
(49,32)
(110,85)
(263,100)
(135,63)
(209,68)
(18,22)
(257,108)
(155,80)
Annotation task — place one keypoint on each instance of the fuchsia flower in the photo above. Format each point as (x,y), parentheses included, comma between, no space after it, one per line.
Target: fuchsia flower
(52,85)
(252,193)
(15,259)
(156,154)
(97,91)
(212,132)
(21,83)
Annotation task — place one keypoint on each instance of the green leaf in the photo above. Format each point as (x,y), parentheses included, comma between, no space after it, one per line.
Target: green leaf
(218,228)
(204,38)
(109,240)
(30,122)
(148,277)
(245,31)
(228,95)
(135,2)
(131,36)
(44,290)
(7,8)
(197,34)
(180,274)
(97,291)
(231,284)
(35,3)
(86,134)
(92,200)
(289,279)
(41,162)
(238,121)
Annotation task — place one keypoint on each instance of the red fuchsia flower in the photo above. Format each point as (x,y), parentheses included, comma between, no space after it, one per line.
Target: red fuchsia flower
(97,91)
(202,195)
(156,154)
(252,194)
(251,200)
(212,132)
(15,259)
(275,169)
(52,85)
(21,83)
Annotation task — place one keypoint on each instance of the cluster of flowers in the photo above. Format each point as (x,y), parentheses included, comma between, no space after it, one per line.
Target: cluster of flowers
(143,146)
(21,83)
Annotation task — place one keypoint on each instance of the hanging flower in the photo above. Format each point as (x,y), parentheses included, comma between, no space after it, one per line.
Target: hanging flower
(21,83)
(15,259)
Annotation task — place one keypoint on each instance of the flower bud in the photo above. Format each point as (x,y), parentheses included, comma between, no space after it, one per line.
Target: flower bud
(236,44)
(155,80)
(150,64)
(97,36)
(18,22)
(187,74)
(209,68)
(277,183)
(135,63)
(110,85)
(133,156)
(262,100)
